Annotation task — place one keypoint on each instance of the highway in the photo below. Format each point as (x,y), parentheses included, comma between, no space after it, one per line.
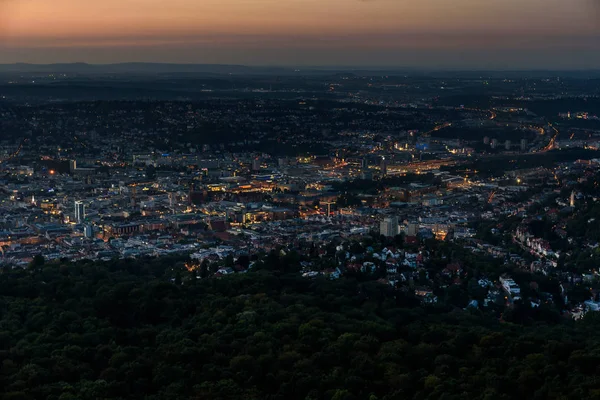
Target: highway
(552,141)
(437,128)
(16,153)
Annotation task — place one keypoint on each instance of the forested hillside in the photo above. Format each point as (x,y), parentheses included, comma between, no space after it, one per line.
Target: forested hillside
(148,330)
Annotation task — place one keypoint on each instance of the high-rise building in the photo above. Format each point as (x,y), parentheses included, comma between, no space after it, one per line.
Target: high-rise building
(72,165)
(328,205)
(256,164)
(383,166)
(494,143)
(364,164)
(507,144)
(88,231)
(523,144)
(133,196)
(79,211)
(412,229)
(283,162)
(389,227)
(572,199)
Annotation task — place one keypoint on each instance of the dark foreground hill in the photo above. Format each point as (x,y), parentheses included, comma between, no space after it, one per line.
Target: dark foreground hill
(147,330)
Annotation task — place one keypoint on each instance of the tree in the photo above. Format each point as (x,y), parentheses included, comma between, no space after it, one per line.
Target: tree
(121,329)
(38,261)
(244,261)
(399,240)
(342,394)
(204,268)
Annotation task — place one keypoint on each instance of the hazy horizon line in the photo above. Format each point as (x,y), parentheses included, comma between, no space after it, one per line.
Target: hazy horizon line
(295,66)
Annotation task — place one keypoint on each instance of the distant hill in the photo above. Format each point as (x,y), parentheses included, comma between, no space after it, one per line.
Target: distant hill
(227,69)
(137,68)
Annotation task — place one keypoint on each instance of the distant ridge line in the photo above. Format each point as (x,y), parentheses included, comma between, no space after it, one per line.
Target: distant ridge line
(225,69)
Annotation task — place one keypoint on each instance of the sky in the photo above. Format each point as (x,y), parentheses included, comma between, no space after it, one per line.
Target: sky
(507,34)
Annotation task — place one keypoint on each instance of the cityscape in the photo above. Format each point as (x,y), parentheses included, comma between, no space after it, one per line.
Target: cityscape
(299,200)
(320,169)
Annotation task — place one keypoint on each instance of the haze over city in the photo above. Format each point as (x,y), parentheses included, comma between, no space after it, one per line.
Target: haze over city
(511,34)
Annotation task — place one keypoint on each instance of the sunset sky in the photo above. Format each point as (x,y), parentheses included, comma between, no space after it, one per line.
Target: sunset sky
(434,33)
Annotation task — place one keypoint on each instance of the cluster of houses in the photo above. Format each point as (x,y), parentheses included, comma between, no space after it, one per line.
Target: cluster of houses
(511,287)
(536,246)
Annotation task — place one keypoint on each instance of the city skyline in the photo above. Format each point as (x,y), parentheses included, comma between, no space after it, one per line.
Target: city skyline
(434,33)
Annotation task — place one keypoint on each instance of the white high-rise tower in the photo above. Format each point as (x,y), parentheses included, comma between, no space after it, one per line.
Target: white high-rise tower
(79,211)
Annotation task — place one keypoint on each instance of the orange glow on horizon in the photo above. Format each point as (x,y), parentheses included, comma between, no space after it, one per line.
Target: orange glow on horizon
(28,25)
(82,19)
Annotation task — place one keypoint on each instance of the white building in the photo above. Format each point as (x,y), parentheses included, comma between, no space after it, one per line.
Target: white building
(389,227)
(510,286)
(79,211)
